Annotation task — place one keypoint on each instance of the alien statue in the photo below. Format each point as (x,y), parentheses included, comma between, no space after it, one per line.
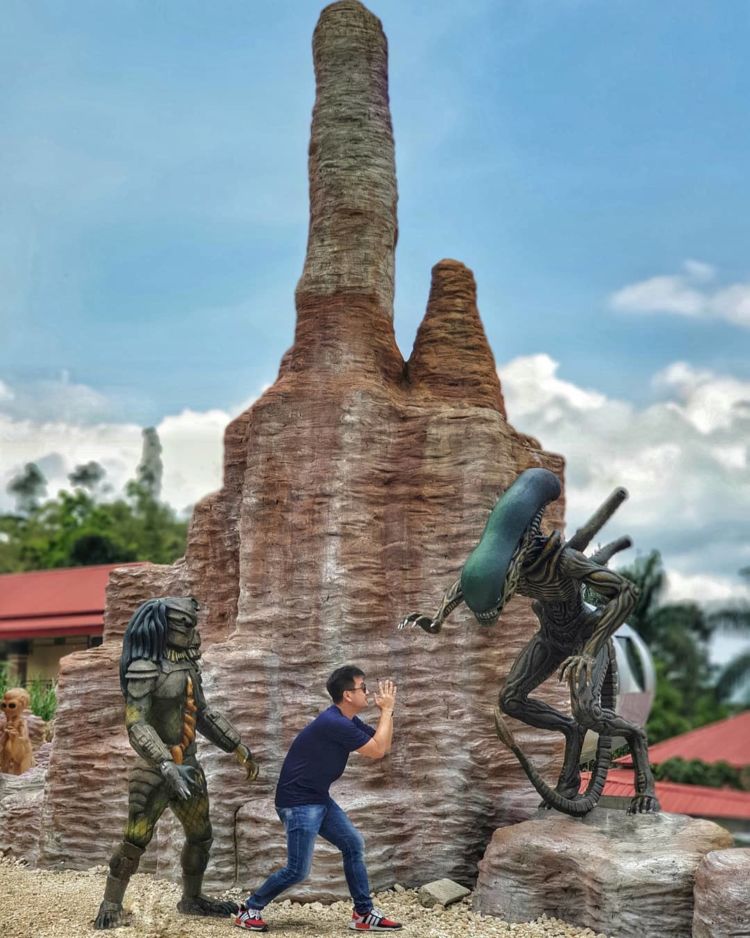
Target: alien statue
(16,754)
(164,706)
(513,556)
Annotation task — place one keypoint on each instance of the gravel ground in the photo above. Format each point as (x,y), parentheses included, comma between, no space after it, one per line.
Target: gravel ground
(44,904)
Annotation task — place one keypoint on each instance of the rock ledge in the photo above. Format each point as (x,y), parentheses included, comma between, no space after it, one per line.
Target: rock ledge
(626,875)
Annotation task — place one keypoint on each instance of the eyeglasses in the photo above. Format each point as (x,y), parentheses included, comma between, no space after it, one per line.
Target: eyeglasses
(362,687)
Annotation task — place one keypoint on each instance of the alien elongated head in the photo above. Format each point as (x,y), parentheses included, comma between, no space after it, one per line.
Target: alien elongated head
(490,574)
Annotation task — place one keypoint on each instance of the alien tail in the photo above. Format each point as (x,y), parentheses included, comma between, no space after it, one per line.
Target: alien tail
(575,807)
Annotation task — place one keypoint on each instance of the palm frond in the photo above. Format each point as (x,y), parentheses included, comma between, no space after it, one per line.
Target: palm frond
(734,676)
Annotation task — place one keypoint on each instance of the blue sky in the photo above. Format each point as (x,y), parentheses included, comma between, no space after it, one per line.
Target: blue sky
(586,158)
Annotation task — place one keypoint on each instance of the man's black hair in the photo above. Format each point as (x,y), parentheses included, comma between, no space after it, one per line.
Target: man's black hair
(342,679)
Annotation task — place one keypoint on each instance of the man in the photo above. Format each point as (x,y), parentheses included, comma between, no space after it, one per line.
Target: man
(316,758)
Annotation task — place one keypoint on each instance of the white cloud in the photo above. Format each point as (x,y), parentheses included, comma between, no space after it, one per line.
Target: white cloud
(116,446)
(732,304)
(699,272)
(60,438)
(688,293)
(710,402)
(536,385)
(58,400)
(192,451)
(684,461)
(703,588)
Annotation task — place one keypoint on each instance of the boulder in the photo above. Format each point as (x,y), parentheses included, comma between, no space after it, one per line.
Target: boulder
(624,875)
(21,798)
(441,892)
(722,895)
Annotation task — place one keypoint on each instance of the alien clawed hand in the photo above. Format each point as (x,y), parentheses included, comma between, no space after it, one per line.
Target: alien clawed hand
(424,622)
(575,667)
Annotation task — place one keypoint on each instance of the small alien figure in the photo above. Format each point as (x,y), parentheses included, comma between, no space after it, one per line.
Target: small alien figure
(16,754)
(513,556)
(161,681)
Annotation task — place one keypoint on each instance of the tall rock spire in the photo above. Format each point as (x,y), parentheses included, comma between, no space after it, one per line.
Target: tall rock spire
(345,294)
(351,160)
(452,359)
(354,489)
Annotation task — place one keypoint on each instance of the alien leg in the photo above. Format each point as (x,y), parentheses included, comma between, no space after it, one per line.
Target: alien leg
(588,710)
(570,777)
(193,815)
(538,660)
(532,667)
(147,799)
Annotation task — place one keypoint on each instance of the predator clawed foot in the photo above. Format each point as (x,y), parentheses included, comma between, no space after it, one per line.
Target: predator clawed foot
(202,905)
(109,916)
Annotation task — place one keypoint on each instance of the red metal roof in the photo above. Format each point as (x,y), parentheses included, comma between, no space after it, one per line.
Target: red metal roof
(52,603)
(727,741)
(695,800)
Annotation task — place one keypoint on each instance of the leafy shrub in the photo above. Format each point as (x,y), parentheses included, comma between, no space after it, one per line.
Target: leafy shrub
(43,695)
(43,698)
(695,772)
(4,678)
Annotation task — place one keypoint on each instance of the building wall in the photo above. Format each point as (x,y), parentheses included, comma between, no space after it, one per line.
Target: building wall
(41,657)
(45,655)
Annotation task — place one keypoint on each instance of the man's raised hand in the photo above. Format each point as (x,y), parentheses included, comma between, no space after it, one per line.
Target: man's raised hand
(385,695)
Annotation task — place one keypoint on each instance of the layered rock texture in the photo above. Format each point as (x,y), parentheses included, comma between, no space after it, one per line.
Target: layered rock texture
(21,799)
(354,489)
(627,876)
(722,895)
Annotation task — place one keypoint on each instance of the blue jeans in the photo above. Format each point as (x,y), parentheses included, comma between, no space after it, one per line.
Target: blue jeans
(303,823)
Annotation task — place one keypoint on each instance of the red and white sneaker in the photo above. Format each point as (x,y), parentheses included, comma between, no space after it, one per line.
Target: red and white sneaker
(374,920)
(251,919)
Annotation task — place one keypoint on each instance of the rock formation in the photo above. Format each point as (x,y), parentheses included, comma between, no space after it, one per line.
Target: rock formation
(624,875)
(21,814)
(353,490)
(722,895)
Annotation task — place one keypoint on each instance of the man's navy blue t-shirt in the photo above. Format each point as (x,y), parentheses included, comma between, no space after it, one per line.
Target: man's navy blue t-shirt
(318,756)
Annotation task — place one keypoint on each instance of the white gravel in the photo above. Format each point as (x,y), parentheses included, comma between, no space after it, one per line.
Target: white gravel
(45,904)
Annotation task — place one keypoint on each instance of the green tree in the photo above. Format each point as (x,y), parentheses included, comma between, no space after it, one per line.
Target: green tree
(28,487)
(733,681)
(148,475)
(678,635)
(76,529)
(87,476)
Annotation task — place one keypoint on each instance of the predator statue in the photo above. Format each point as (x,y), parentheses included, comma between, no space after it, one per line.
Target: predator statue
(161,681)
(513,556)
